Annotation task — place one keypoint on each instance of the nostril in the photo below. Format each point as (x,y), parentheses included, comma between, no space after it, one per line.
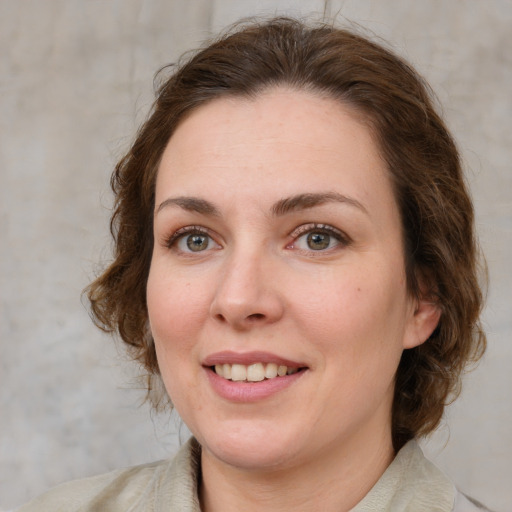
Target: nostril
(256,316)
(220,317)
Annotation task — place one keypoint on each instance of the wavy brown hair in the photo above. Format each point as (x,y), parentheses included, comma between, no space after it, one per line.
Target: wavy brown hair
(423,163)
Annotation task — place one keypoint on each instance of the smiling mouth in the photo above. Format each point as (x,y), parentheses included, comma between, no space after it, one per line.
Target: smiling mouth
(256,372)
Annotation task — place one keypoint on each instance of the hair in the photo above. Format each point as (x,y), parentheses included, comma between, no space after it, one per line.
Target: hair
(440,250)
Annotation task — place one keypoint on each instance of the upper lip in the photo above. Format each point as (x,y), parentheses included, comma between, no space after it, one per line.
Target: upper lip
(248,358)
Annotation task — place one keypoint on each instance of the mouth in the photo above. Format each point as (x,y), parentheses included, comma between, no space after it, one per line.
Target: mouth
(255,372)
(249,377)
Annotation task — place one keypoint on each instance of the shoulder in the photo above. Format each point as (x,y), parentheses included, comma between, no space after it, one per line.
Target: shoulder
(435,483)
(164,486)
(464,503)
(414,484)
(114,491)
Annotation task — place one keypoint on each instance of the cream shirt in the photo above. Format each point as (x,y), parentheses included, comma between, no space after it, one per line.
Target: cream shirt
(410,484)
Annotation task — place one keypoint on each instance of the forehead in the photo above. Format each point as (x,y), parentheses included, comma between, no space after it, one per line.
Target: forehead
(290,115)
(286,140)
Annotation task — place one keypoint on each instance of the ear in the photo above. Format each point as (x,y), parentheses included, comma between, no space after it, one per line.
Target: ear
(424,318)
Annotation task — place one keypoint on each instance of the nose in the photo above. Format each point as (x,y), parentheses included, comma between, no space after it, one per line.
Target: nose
(247,293)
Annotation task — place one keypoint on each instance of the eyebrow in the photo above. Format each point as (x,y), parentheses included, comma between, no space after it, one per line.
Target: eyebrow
(310,200)
(191,204)
(282,207)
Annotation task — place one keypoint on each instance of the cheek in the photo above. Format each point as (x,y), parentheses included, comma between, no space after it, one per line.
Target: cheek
(360,313)
(174,307)
(173,316)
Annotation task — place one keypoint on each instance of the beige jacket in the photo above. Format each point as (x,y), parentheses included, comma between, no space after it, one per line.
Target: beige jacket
(410,484)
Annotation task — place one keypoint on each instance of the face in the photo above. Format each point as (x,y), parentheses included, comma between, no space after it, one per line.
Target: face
(277,296)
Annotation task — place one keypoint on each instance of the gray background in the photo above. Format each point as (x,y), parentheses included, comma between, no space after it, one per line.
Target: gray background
(75,81)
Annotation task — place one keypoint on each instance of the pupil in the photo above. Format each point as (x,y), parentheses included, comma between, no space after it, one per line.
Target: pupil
(197,242)
(318,241)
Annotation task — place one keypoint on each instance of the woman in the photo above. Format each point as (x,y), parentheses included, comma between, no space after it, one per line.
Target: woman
(296,261)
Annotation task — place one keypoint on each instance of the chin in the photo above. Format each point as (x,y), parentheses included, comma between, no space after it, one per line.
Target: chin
(253,447)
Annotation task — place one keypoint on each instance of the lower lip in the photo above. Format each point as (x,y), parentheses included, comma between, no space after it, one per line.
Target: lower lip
(245,392)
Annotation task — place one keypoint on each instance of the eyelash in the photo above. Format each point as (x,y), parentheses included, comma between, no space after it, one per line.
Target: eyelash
(171,240)
(344,240)
(305,229)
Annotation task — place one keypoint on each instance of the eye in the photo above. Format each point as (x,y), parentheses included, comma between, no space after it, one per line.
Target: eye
(318,237)
(192,239)
(194,243)
(316,241)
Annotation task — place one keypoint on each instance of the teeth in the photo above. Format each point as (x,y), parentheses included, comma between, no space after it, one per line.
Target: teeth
(271,371)
(226,371)
(238,372)
(253,373)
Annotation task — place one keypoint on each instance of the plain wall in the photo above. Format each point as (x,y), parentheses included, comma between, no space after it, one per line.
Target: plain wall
(75,81)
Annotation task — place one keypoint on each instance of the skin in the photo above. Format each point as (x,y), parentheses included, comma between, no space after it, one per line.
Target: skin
(343,312)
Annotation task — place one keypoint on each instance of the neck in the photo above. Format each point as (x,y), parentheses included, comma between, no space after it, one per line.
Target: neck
(334,481)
